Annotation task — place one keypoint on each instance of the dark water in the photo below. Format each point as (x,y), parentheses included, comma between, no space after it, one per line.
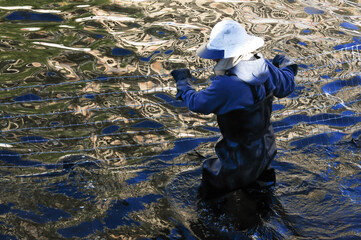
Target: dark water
(94,146)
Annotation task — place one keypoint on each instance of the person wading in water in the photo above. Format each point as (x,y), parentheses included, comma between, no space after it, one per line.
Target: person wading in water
(241,96)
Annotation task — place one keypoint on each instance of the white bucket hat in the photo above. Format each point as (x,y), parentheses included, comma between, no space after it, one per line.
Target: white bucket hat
(229,39)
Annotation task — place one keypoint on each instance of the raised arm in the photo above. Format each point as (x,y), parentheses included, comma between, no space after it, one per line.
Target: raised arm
(283,72)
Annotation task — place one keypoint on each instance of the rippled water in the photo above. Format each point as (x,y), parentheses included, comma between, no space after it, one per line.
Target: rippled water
(93,144)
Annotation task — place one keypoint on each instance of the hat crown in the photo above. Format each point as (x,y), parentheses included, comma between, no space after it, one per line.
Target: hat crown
(227,33)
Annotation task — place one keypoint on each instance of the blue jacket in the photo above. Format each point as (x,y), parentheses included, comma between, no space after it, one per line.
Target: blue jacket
(233,91)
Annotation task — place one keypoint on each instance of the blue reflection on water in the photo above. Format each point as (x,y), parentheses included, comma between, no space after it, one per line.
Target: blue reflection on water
(170,100)
(148,124)
(303,66)
(343,120)
(48,214)
(356,134)
(34,139)
(182,146)
(324,138)
(5,208)
(7,237)
(181,232)
(349,26)
(117,215)
(350,187)
(338,106)
(214,129)
(147,59)
(121,52)
(296,92)
(356,41)
(329,174)
(302,43)
(70,190)
(89,96)
(14,158)
(27,97)
(103,78)
(276,107)
(82,230)
(337,85)
(142,176)
(31,16)
(312,10)
(110,129)
(280,126)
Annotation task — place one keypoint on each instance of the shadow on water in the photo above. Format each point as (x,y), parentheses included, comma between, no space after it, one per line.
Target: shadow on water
(237,215)
(160,199)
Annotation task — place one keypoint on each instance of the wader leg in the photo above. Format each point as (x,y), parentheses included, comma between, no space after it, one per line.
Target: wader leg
(212,184)
(265,182)
(208,190)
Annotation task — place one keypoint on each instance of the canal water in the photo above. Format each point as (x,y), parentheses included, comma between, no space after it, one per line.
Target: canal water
(94,145)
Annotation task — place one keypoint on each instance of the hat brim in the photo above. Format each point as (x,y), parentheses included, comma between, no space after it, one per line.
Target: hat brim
(204,52)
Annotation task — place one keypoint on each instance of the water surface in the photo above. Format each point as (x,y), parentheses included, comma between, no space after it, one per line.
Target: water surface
(93,144)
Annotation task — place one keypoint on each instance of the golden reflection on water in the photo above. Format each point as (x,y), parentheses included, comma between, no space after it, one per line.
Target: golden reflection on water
(158,37)
(132,116)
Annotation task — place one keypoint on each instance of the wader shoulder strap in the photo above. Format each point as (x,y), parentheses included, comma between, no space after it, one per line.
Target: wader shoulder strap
(255,94)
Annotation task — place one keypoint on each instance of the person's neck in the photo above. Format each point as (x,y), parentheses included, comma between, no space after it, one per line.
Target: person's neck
(227,63)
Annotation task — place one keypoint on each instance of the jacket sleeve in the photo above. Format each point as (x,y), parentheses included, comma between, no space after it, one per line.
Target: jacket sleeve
(205,101)
(283,80)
